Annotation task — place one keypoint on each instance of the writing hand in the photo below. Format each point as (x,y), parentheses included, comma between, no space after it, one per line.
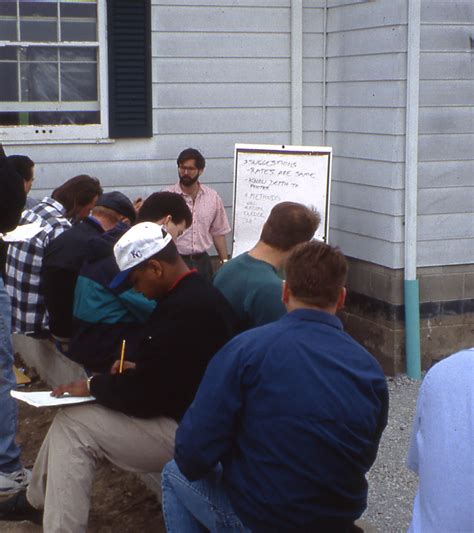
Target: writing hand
(127,365)
(76,388)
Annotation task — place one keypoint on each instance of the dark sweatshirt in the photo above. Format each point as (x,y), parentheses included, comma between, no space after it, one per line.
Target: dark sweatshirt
(188,326)
(12,201)
(12,195)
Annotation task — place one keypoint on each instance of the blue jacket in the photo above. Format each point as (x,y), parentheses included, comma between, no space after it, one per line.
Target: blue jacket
(102,317)
(294,411)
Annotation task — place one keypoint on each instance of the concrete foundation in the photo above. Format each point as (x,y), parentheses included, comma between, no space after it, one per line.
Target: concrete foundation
(374,312)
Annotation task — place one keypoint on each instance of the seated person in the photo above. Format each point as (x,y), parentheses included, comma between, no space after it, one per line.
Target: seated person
(133,422)
(442,447)
(103,316)
(250,281)
(63,258)
(286,421)
(71,202)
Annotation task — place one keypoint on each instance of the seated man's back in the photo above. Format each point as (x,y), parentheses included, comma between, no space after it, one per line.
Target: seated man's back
(250,282)
(293,411)
(253,288)
(102,317)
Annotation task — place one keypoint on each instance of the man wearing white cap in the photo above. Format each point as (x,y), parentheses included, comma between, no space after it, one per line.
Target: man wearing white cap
(134,420)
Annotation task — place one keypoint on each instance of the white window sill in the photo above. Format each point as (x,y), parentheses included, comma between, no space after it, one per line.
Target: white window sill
(23,142)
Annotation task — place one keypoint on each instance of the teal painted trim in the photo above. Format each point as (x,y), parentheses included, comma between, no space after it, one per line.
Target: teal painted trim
(412,328)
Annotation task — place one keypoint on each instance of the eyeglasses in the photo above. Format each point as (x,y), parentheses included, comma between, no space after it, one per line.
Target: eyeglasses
(187,169)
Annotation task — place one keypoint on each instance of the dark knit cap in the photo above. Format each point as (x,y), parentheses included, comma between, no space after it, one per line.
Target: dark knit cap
(118,202)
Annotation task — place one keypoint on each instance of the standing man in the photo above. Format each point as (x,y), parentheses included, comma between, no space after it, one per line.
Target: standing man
(286,421)
(442,447)
(12,476)
(210,224)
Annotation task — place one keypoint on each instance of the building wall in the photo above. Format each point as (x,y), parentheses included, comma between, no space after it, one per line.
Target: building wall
(446,128)
(366,86)
(221,75)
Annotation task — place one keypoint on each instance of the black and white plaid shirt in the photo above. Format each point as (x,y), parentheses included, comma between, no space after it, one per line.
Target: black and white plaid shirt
(23,269)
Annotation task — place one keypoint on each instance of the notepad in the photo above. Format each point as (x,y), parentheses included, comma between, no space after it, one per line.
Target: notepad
(23,233)
(44,398)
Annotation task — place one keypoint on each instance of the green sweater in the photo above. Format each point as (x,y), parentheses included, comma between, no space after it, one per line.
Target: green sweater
(253,289)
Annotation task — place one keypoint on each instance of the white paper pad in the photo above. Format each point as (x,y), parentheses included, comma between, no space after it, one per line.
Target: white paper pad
(44,398)
(23,233)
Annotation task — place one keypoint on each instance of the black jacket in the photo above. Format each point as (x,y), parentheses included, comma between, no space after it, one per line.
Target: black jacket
(103,317)
(12,201)
(189,325)
(62,260)
(12,196)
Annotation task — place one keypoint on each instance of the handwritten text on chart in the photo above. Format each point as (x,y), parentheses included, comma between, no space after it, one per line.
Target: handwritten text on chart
(270,163)
(266,183)
(275,168)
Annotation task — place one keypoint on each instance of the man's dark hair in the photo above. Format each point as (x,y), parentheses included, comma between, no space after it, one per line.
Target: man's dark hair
(23,165)
(161,204)
(192,153)
(288,224)
(169,254)
(315,273)
(77,192)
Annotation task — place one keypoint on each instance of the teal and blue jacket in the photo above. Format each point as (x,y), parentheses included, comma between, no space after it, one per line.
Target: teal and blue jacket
(103,317)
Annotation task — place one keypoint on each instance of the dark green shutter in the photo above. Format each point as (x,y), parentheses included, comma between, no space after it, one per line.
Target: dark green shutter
(129,52)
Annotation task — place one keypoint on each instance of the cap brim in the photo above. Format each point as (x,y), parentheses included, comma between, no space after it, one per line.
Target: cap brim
(120,278)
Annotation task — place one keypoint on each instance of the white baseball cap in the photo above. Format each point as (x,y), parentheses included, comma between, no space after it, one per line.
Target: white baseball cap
(138,244)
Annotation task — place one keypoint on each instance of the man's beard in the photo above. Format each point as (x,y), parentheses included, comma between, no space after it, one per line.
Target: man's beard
(187,181)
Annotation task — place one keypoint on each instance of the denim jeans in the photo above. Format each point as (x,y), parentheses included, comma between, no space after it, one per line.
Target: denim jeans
(9,451)
(197,506)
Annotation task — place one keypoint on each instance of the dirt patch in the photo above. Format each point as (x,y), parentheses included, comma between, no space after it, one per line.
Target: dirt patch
(121,503)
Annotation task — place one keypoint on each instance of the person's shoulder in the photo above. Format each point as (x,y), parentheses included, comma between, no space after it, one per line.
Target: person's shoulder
(209,191)
(172,188)
(452,371)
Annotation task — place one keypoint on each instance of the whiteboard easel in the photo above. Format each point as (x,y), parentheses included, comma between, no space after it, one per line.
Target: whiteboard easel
(265,175)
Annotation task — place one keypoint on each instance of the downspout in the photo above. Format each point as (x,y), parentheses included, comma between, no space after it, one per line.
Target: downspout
(297,72)
(324,75)
(411,286)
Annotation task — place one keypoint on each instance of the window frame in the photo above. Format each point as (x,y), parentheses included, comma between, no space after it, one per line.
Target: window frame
(46,132)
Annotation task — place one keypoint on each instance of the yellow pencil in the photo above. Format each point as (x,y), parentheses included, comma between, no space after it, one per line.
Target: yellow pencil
(122,355)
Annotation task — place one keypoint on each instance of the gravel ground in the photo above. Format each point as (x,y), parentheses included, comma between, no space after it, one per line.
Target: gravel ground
(392,486)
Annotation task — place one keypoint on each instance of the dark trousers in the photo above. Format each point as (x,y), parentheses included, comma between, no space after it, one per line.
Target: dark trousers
(201,262)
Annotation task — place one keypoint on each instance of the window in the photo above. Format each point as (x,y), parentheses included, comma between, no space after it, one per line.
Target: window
(50,66)
(58,78)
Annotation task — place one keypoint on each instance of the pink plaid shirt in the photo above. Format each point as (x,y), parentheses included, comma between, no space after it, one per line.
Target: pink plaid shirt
(209,220)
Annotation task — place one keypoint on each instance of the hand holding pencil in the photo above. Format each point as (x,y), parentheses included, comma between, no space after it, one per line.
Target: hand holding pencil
(120,365)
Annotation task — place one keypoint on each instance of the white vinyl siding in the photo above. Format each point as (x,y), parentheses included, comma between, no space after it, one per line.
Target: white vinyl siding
(446,143)
(365,124)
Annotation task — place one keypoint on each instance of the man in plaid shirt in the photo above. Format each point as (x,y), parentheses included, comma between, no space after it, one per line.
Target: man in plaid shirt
(72,201)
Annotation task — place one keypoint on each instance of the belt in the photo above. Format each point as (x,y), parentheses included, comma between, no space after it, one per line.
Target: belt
(194,256)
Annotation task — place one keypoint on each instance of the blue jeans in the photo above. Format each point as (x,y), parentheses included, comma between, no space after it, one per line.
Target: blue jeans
(197,506)
(9,451)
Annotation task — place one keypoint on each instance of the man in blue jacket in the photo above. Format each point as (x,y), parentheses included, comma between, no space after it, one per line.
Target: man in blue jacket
(287,420)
